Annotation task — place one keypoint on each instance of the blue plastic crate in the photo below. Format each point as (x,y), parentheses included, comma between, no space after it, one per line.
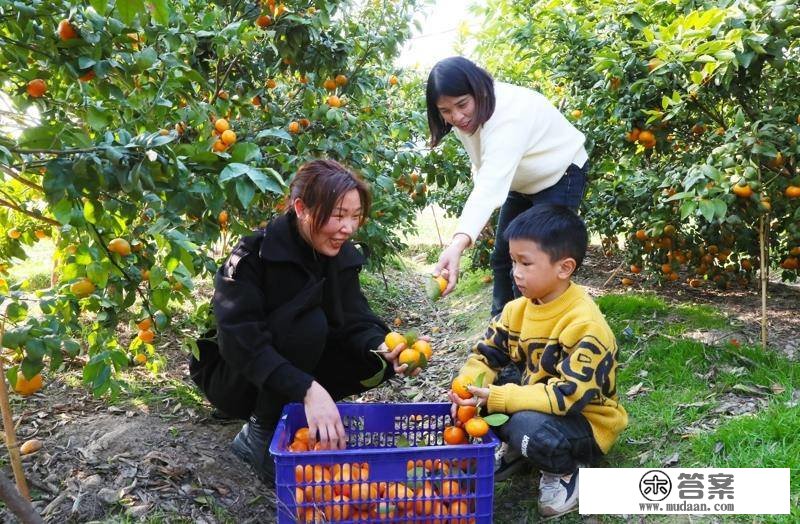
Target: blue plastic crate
(396,468)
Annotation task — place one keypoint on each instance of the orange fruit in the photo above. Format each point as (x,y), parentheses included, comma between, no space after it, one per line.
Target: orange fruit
(464,413)
(298,446)
(219,146)
(633,135)
(222,94)
(36,88)
(627,282)
(120,246)
(14,233)
(394,339)
(449,488)
(256,101)
(635,269)
(40,234)
(647,139)
(305,122)
(82,288)
(698,129)
(145,275)
(424,347)
(221,125)
(271,83)
(294,127)
(30,446)
(653,63)
(146,336)
(144,324)
(459,387)
(790,263)
(334,101)
(744,191)
(454,435)
(695,282)
(576,113)
(393,80)
(263,21)
(66,31)
(329,84)
(410,357)
(641,234)
(792,192)
(442,283)
(27,387)
(87,76)
(476,427)
(340,80)
(140,359)
(228,137)
(666,268)
(302,435)
(223,217)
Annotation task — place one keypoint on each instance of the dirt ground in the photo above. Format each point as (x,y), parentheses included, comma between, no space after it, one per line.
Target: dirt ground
(171,461)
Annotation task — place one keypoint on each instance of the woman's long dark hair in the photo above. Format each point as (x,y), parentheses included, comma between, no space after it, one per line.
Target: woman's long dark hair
(457,76)
(321,184)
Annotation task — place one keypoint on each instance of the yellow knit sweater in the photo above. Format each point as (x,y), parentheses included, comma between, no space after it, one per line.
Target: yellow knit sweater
(570,362)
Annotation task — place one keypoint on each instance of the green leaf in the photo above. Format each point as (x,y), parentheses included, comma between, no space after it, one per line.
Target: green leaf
(432,289)
(62,211)
(14,337)
(687,208)
(129,10)
(478,383)
(233,170)
(245,191)
(97,274)
(160,297)
(72,347)
(496,419)
(375,379)
(99,5)
(160,11)
(275,133)
(89,212)
(402,442)
(707,209)
(17,311)
(31,368)
(245,152)
(263,183)
(35,349)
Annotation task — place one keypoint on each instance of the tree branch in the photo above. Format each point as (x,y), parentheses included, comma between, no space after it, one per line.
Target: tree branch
(224,77)
(15,207)
(10,172)
(26,46)
(74,151)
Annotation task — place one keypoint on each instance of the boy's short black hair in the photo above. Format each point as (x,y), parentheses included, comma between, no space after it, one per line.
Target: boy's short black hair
(558,231)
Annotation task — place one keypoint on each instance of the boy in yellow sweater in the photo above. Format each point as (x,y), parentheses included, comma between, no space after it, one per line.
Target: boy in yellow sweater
(564,412)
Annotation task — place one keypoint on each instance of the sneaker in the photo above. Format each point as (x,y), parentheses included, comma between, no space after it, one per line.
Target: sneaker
(507,462)
(558,494)
(251,444)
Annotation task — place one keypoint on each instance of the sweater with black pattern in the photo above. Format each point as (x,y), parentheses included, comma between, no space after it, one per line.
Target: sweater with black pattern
(568,356)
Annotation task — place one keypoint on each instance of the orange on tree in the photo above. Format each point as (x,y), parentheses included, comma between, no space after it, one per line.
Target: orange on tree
(647,139)
(641,234)
(476,427)
(263,21)
(221,125)
(120,246)
(222,218)
(653,63)
(228,137)
(271,83)
(329,84)
(140,359)
(576,113)
(632,135)
(742,191)
(393,80)
(66,31)
(14,233)
(87,76)
(305,122)
(40,234)
(146,336)
(144,324)
(222,94)
(82,288)
(294,127)
(145,275)
(27,387)
(256,101)
(454,435)
(36,88)
(334,101)
(459,387)
(340,80)
(792,192)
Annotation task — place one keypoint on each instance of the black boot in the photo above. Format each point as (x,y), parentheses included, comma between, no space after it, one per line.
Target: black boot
(251,444)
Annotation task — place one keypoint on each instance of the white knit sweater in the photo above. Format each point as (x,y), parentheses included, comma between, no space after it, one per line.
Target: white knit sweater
(525,146)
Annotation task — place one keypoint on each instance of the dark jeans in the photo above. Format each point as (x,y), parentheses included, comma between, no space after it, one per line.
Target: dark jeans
(552,443)
(568,191)
(234,395)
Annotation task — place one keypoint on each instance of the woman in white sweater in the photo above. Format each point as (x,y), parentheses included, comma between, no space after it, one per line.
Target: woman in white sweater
(523,152)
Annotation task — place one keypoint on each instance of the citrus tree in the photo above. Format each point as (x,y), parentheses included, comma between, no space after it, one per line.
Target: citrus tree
(691,124)
(143,138)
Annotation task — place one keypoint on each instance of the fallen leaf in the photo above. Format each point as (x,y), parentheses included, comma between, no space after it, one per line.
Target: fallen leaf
(718,447)
(672,460)
(777,388)
(634,390)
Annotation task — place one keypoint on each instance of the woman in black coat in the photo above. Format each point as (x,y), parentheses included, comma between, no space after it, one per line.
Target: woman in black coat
(292,322)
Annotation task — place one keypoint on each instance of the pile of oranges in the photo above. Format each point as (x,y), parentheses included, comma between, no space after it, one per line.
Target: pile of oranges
(468,423)
(435,488)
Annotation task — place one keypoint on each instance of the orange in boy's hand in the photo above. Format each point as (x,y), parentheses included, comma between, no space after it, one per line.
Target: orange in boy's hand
(476,427)
(454,435)
(465,413)
(459,387)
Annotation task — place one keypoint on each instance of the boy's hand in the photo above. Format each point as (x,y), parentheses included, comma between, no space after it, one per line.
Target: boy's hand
(479,397)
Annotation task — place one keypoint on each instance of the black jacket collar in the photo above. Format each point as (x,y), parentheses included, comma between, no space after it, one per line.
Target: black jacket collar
(280,244)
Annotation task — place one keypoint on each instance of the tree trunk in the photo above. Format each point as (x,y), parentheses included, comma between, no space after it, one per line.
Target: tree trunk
(763,236)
